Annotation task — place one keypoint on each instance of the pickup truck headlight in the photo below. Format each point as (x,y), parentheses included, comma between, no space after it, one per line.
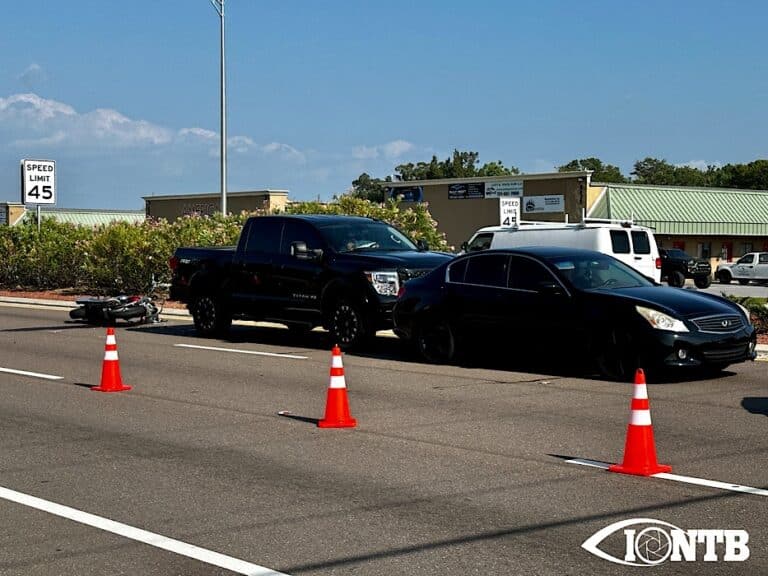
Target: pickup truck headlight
(385,282)
(661,321)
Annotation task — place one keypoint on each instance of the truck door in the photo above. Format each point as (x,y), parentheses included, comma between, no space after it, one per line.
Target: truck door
(643,257)
(298,275)
(253,287)
(761,270)
(744,269)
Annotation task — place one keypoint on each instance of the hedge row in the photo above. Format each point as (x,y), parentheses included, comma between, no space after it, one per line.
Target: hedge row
(123,257)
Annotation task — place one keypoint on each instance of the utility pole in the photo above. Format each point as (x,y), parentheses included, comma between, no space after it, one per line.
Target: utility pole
(218,5)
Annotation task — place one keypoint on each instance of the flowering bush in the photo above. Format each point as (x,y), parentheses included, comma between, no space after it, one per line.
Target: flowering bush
(122,257)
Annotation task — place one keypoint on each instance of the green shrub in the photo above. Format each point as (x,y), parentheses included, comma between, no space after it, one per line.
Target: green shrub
(757,310)
(122,257)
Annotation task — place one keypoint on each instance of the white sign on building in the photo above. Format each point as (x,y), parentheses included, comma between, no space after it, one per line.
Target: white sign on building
(509,211)
(544,204)
(503,189)
(38,182)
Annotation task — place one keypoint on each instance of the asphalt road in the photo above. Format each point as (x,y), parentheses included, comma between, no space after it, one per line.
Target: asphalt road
(450,471)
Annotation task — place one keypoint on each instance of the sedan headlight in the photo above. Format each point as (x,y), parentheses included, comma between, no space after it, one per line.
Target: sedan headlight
(385,282)
(746,312)
(661,321)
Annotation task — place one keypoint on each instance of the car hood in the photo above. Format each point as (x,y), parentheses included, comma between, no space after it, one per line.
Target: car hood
(678,301)
(397,259)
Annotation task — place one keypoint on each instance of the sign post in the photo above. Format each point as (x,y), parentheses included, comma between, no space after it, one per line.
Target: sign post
(38,183)
(509,211)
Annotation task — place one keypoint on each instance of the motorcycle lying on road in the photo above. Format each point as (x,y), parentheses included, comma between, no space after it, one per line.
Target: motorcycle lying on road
(131,308)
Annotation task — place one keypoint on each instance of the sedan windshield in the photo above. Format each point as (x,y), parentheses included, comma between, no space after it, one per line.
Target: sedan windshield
(592,272)
(352,236)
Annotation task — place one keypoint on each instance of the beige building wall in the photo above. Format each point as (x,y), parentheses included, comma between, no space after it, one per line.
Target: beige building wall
(172,207)
(11,213)
(460,218)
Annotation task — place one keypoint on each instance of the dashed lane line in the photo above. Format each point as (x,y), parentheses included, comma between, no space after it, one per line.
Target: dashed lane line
(31,374)
(678,478)
(237,351)
(139,535)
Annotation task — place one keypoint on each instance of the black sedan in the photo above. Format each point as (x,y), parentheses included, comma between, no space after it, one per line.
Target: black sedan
(546,300)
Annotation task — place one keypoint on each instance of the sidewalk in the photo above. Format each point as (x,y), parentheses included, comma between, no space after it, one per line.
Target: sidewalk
(762,349)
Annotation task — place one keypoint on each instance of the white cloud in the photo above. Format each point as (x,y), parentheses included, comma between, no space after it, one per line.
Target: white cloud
(390,150)
(198,133)
(32,76)
(396,148)
(698,164)
(32,107)
(283,150)
(365,152)
(240,144)
(46,121)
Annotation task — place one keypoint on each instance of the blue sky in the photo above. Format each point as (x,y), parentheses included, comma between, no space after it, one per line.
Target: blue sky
(124,95)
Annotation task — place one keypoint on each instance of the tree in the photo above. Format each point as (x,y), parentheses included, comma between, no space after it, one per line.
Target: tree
(753,176)
(459,165)
(653,171)
(607,173)
(369,188)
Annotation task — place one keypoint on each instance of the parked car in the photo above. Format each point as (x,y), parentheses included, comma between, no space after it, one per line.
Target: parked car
(750,267)
(341,272)
(632,244)
(549,300)
(677,265)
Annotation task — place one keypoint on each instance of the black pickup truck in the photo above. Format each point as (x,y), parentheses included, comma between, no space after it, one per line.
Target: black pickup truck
(339,272)
(677,265)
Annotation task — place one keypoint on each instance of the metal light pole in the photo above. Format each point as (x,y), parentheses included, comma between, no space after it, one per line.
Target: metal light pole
(218,5)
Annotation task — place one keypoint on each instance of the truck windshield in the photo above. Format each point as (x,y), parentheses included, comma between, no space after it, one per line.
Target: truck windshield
(352,236)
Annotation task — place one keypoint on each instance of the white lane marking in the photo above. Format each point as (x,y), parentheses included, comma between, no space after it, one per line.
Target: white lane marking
(31,374)
(678,478)
(254,352)
(156,540)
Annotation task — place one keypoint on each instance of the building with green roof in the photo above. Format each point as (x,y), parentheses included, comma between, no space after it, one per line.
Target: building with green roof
(715,223)
(12,213)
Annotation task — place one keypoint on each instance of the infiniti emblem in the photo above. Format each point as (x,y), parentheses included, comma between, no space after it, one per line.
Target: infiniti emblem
(725,323)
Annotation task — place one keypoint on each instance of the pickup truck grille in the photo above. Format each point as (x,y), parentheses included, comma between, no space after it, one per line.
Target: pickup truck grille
(700,268)
(720,324)
(409,274)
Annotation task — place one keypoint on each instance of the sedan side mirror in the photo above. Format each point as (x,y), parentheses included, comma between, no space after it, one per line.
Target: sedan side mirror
(422,245)
(551,289)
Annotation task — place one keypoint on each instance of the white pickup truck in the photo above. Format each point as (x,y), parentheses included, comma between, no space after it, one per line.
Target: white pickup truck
(750,267)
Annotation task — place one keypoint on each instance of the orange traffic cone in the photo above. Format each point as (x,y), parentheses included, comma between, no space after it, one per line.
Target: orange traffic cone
(110,369)
(337,406)
(640,449)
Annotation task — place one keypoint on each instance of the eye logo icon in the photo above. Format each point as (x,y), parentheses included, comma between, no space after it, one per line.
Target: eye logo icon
(649,542)
(650,546)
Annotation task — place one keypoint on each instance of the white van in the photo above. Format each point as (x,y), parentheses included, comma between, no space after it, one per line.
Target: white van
(634,245)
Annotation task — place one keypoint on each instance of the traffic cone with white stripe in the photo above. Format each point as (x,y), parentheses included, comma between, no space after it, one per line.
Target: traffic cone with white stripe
(640,449)
(337,405)
(110,369)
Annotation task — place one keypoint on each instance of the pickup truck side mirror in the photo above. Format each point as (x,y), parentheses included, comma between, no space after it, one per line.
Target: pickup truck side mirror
(422,245)
(464,246)
(299,250)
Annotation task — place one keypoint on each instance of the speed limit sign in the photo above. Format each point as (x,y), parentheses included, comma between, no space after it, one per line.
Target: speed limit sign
(509,211)
(38,182)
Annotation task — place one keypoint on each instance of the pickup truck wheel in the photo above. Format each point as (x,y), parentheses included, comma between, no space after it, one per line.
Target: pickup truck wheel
(676,278)
(724,277)
(703,281)
(348,326)
(210,316)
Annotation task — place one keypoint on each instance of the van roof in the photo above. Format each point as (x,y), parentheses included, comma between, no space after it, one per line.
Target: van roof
(564,226)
